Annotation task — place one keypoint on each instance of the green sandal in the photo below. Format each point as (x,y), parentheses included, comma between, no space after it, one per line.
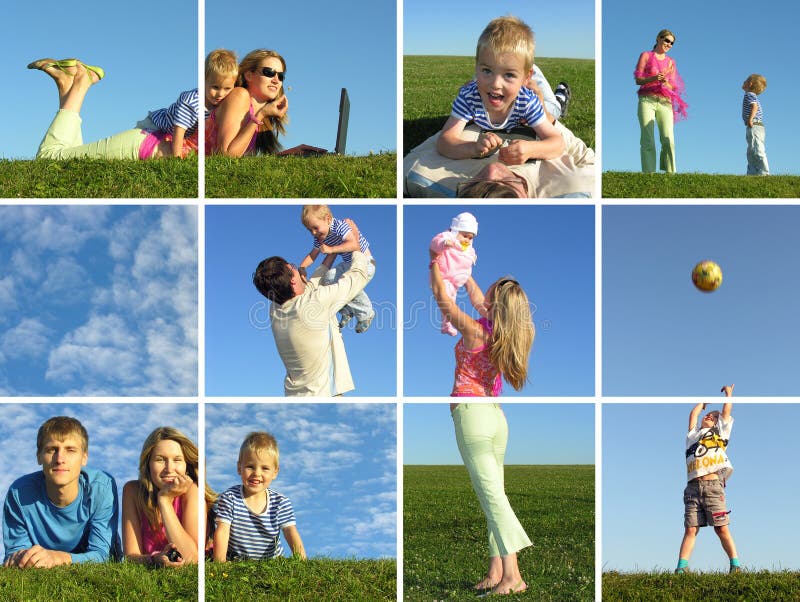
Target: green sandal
(61,65)
(98,71)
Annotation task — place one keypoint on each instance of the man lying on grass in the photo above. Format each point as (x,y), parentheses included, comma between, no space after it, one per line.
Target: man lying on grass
(66,513)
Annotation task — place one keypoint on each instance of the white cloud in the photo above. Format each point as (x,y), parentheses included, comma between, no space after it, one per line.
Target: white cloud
(29,339)
(7,294)
(102,349)
(63,229)
(66,281)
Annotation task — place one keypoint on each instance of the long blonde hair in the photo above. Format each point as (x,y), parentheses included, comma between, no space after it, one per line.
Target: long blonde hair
(513,332)
(267,141)
(147,498)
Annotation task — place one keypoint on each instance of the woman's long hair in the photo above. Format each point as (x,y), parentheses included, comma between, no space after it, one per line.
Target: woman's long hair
(267,140)
(147,498)
(513,332)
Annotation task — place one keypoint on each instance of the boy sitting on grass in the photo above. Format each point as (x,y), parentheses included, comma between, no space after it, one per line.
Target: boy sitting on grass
(498,99)
(251,516)
(66,513)
(708,468)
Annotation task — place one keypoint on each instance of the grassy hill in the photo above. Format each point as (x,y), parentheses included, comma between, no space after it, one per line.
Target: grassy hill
(630,185)
(444,532)
(94,178)
(704,587)
(329,176)
(431,83)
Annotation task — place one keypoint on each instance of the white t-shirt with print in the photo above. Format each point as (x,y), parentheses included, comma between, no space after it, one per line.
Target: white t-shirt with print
(705,450)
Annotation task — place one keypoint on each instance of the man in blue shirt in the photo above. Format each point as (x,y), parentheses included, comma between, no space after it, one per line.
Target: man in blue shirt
(66,513)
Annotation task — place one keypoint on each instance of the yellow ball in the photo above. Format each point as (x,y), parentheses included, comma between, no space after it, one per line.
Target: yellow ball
(707,276)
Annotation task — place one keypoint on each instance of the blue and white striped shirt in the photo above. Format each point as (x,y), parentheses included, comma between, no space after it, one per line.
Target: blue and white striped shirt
(254,536)
(469,107)
(750,98)
(184,112)
(339,229)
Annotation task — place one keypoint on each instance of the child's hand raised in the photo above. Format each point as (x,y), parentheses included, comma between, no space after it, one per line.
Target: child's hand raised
(486,143)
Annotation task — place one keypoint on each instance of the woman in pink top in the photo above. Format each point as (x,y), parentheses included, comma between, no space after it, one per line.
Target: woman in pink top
(160,509)
(250,118)
(660,102)
(494,347)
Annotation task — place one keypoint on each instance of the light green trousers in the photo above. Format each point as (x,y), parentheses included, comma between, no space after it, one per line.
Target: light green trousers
(656,110)
(482,435)
(64,140)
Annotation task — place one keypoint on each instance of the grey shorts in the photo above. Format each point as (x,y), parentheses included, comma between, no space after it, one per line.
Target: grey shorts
(704,504)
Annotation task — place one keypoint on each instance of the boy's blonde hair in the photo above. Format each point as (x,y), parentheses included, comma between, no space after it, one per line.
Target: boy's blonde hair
(755,83)
(258,442)
(320,211)
(512,332)
(508,35)
(59,428)
(222,62)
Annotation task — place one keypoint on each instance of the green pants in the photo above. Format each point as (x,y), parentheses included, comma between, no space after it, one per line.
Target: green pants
(482,435)
(656,110)
(63,140)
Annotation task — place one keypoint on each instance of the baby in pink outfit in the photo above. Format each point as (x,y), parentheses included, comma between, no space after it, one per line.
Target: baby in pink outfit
(456,257)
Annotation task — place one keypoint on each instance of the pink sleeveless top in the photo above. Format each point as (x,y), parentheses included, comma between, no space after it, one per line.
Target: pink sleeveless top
(475,375)
(153,541)
(211,134)
(673,92)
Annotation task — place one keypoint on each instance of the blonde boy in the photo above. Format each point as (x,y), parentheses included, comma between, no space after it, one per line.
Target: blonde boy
(335,236)
(250,516)
(498,99)
(755,133)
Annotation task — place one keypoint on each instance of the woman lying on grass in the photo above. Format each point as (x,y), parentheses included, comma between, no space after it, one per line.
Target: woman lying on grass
(63,139)
(250,118)
(159,510)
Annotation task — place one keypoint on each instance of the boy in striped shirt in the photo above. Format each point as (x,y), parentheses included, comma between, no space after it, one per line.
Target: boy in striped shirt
(251,516)
(498,99)
(755,134)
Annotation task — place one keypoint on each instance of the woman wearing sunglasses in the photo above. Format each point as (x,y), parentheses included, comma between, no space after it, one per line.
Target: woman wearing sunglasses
(660,102)
(493,348)
(250,118)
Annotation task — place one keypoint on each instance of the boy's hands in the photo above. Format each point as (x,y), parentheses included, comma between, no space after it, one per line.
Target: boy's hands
(516,153)
(728,390)
(486,143)
(37,557)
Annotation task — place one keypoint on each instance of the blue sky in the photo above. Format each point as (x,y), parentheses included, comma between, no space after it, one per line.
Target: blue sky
(644,473)
(338,466)
(536,433)
(241,358)
(550,251)
(327,46)
(116,433)
(141,75)
(563,29)
(717,46)
(661,336)
(98,300)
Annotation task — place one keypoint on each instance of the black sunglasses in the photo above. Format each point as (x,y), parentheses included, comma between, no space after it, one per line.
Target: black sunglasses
(270,72)
(670,42)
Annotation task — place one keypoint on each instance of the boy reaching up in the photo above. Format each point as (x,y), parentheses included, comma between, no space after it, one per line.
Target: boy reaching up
(708,468)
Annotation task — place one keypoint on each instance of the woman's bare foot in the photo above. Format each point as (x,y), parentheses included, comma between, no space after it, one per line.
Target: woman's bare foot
(507,586)
(488,582)
(63,72)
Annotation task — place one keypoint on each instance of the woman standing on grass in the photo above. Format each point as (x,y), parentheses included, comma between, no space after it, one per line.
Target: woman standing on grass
(495,347)
(250,118)
(660,102)
(159,510)
(63,139)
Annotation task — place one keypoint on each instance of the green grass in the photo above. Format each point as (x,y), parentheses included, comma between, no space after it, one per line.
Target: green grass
(431,83)
(93,178)
(760,586)
(444,532)
(628,185)
(94,582)
(329,176)
(289,580)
